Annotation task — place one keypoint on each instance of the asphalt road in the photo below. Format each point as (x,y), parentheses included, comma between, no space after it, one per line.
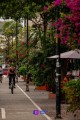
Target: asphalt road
(18,106)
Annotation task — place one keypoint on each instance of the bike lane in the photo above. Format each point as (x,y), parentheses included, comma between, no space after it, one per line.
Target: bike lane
(18,106)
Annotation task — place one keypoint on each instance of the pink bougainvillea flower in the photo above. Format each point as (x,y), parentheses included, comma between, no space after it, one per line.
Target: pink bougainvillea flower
(79,34)
(76,30)
(69,25)
(57,2)
(78,41)
(54,24)
(45,8)
(76,24)
(51,5)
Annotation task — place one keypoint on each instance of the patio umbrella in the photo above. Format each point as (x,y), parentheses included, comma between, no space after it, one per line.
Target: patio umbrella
(73,54)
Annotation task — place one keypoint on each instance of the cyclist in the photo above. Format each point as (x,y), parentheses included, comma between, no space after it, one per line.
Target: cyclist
(1,73)
(12,75)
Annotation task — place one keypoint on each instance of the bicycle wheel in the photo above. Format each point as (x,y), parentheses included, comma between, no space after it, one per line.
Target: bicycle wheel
(12,87)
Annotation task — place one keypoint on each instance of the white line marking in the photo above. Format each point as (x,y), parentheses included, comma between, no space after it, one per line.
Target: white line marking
(3,113)
(48,118)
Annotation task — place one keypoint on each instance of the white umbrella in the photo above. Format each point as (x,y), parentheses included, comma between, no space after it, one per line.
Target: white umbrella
(74,54)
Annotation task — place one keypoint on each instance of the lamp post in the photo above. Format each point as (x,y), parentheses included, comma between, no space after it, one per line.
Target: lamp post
(58,71)
(27,39)
(16,51)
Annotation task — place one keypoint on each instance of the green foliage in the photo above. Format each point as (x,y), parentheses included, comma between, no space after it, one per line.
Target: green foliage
(22,70)
(41,67)
(13,9)
(43,40)
(9,28)
(72,92)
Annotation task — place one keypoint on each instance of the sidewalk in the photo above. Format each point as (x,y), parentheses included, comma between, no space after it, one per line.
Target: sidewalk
(45,103)
(21,105)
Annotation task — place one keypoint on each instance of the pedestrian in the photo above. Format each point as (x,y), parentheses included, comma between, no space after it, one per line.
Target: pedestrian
(28,78)
(11,75)
(1,73)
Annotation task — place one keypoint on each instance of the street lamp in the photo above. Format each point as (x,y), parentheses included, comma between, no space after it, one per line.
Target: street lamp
(16,50)
(58,71)
(27,39)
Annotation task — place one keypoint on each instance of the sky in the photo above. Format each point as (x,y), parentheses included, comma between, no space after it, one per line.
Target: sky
(1,19)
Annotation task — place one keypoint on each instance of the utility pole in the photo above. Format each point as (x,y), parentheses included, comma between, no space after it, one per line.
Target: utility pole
(58,70)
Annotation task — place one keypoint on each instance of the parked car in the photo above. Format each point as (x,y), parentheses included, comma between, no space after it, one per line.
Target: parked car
(5,71)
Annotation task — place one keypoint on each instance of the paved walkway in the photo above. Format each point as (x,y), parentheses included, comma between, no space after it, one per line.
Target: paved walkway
(21,105)
(41,98)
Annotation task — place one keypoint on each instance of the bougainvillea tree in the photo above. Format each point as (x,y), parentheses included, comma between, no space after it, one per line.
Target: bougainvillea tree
(68,22)
(70,26)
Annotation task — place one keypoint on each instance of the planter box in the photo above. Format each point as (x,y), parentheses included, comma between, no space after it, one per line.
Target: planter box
(24,78)
(41,87)
(52,95)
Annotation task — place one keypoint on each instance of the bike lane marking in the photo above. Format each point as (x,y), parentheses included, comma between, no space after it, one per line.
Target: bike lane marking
(48,118)
(3,113)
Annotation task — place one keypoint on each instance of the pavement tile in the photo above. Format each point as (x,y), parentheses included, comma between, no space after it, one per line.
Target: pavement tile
(41,98)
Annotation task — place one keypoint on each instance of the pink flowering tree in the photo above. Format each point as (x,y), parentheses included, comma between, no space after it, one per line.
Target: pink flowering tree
(66,15)
(69,22)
